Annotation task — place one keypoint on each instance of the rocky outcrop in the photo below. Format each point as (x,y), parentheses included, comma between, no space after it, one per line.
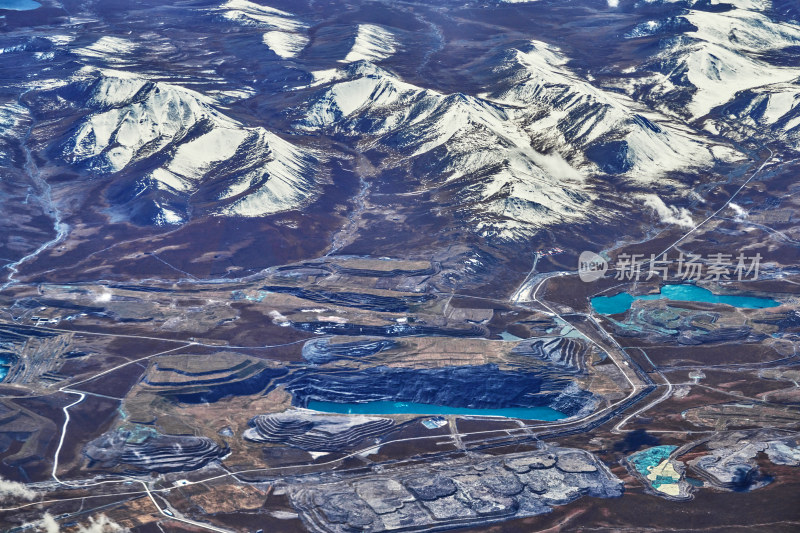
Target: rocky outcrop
(317,432)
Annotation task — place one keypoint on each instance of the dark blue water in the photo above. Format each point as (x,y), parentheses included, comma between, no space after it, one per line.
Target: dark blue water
(19,5)
(619,303)
(395,408)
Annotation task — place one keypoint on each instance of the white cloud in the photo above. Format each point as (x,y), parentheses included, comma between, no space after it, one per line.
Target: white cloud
(668,214)
(739,210)
(103,297)
(555,165)
(101,524)
(12,490)
(47,524)
(613,3)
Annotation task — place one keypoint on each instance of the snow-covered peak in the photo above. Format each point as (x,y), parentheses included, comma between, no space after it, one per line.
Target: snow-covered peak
(771,112)
(114,91)
(520,156)
(134,114)
(191,149)
(742,29)
(363,85)
(717,54)
(558,107)
(285,44)
(506,187)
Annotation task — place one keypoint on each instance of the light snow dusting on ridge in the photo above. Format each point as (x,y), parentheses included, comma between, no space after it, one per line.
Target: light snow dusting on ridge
(287,35)
(112,49)
(285,44)
(372,43)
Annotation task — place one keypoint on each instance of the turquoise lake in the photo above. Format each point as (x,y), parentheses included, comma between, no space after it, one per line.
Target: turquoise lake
(411,408)
(19,5)
(619,303)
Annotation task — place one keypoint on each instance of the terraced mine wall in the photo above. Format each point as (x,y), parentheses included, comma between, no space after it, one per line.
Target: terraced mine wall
(213,389)
(359,300)
(566,354)
(317,432)
(393,330)
(481,387)
(152,452)
(320,351)
(363,272)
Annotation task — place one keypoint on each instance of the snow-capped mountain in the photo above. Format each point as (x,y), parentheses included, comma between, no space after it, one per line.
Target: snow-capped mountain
(519,157)
(561,111)
(768,113)
(466,148)
(182,154)
(712,52)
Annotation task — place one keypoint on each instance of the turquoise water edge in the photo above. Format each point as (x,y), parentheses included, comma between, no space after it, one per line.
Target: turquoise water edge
(619,303)
(395,408)
(5,366)
(19,5)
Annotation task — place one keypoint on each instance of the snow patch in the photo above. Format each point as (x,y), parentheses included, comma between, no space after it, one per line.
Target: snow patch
(253,14)
(285,44)
(373,43)
(112,49)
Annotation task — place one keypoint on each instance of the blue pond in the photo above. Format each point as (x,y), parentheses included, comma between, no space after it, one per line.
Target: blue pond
(19,5)
(395,408)
(619,303)
(5,366)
